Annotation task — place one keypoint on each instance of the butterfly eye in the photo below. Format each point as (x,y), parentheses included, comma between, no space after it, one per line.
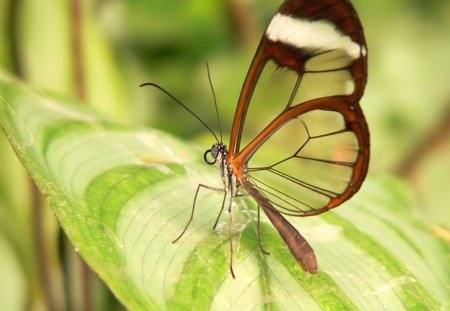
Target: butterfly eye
(214,153)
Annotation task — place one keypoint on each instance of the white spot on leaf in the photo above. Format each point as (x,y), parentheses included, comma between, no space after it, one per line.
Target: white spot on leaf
(322,233)
(396,282)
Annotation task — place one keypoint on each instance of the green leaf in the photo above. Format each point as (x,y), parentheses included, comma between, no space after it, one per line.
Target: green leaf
(122,195)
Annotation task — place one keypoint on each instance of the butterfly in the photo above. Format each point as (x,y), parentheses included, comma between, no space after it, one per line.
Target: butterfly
(310,150)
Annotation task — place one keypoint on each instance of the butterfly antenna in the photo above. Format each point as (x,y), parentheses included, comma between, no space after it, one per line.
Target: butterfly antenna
(215,100)
(182,105)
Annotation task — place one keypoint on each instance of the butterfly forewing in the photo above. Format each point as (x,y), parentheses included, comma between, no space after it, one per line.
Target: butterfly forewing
(299,135)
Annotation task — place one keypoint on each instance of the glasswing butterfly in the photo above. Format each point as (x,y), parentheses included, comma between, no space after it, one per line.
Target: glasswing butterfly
(320,48)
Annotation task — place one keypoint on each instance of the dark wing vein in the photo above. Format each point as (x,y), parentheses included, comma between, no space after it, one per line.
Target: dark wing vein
(294,92)
(295,211)
(320,190)
(342,163)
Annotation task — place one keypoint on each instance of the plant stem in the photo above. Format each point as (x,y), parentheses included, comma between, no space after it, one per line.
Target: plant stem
(243,20)
(438,136)
(40,247)
(80,89)
(77,44)
(38,237)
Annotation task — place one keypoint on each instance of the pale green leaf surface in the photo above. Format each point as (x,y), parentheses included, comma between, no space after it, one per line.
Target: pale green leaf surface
(122,195)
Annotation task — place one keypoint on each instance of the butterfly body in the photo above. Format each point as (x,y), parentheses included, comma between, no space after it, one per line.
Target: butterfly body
(219,153)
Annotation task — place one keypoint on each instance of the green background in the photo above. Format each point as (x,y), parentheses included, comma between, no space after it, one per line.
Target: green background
(126,43)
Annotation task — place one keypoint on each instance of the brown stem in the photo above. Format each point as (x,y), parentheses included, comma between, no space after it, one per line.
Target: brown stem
(40,247)
(13,34)
(80,87)
(243,21)
(38,237)
(438,135)
(77,43)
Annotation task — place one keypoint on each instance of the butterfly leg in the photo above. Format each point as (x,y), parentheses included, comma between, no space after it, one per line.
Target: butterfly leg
(221,210)
(193,207)
(258,228)
(297,244)
(230,237)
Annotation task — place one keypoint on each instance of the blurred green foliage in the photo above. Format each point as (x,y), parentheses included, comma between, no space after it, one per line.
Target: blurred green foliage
(167,42)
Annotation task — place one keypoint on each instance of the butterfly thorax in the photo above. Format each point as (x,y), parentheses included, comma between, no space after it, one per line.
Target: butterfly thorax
(219,152)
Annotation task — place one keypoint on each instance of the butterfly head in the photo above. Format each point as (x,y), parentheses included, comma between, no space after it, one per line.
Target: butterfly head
(217,151)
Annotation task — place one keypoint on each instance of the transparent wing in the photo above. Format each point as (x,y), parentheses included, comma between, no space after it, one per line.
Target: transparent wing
(299,134)
(322,165)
